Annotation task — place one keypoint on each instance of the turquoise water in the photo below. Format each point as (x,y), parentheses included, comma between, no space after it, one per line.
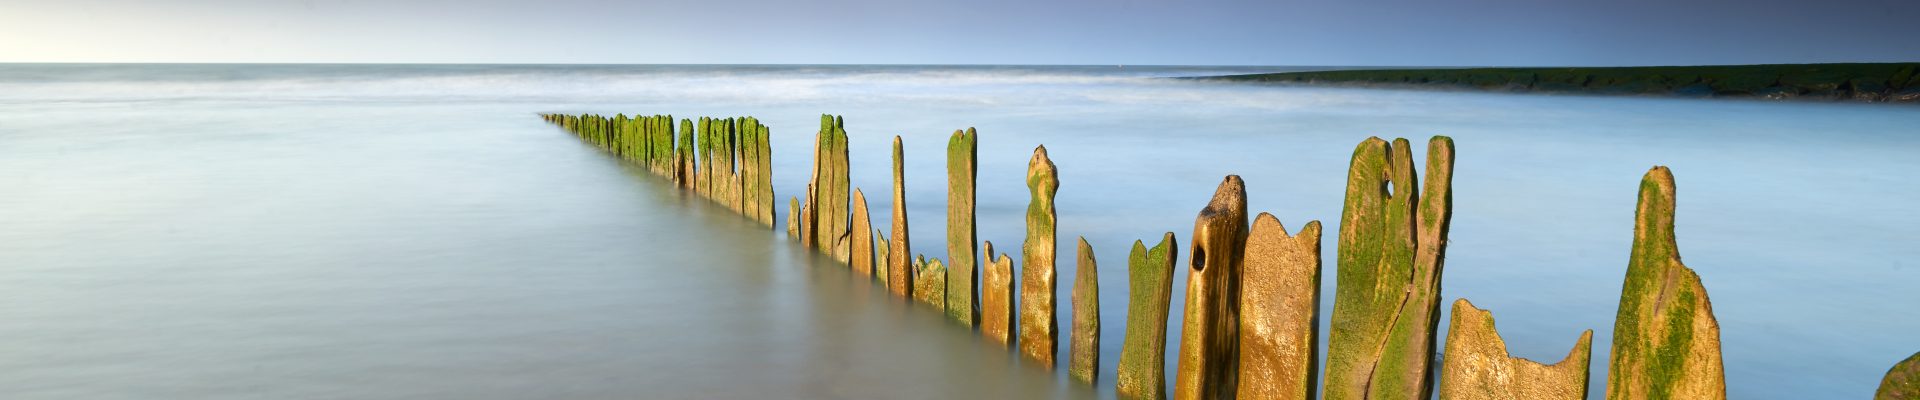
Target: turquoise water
(369,231)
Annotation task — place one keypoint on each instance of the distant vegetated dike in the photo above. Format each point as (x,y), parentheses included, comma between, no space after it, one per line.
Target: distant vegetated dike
(1884,82)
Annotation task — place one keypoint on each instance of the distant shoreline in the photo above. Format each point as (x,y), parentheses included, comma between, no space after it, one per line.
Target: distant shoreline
(1880,82)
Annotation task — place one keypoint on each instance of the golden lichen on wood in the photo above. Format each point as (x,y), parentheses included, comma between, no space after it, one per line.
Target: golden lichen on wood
(1039,326)
(1477,365)
(1083,350)
(1279,311)
(1209,334)
(996,297)
(860,242)
(899,269)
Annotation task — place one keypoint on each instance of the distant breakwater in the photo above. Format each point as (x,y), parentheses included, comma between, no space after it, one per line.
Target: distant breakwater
(1250,328)
(1883,82)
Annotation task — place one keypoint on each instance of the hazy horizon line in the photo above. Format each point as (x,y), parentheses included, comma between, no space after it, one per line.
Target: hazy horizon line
(904,64)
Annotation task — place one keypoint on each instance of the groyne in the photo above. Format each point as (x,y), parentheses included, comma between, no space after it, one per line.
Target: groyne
(1250,323)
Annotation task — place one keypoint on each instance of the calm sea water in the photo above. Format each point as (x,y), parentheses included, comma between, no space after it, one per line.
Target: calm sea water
(366,231)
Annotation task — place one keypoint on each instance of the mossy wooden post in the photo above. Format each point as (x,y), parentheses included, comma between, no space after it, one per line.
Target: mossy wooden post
(809,218)
(930,282)
(996,298)
(862,240)
(962,170)
(1143,352)
(1279,311)
(1210,330)
(1083,349)
(1392,243)
(749,149)
(1477,366)
(617,132)
(763,164)
(1902,381)
(831,187)
(733,195)
(1039,326)
(793,218)
(899,270)
(685,170)
(1666,342)
(880,257)
(705,149)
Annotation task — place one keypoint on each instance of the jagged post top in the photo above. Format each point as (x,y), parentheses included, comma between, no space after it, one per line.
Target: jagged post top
(1311,229)
(1465,311)
(1228,206)
(1168,246)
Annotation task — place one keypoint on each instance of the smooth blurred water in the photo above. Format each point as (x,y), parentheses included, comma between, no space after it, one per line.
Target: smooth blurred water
(376,231)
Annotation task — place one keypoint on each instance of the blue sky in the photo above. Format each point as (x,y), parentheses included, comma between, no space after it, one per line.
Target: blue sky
(1276,32)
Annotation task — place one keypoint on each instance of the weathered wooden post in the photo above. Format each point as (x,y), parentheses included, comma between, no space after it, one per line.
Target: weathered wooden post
(862,240)
(810,218)
(1477,366)
(685,170)
(880,257)
(1902,381)
(930,282)
(793,219)
(899,272)
(1666,342)
(705,150)
(1393,235)
(996,298)
(1143,353)
(962,171)
(1279,311)
(763,164)
(1083,349)
(1039,327)
(1210,331)
(749,172)
(831,187)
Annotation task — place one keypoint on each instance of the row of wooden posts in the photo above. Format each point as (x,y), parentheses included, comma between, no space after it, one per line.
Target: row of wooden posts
(1250,324)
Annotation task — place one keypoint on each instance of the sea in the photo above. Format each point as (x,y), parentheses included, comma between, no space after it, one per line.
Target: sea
(304,231)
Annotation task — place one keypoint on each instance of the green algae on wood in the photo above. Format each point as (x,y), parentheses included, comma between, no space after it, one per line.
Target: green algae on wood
(1666,342)
(749,150)
(899,272)
(1902,381)
(880,256)
(1083,347)
(686,170)
(962,171)
(793,218)
(1279,311)
(1477,365)
(1143,352)
(996,298)
(831,187)
(1209,332)
(704,149)
(763,174)
(860,243)
(1392,243)
(1039,326)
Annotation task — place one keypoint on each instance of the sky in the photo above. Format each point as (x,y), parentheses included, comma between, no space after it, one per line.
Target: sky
(1137,32)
